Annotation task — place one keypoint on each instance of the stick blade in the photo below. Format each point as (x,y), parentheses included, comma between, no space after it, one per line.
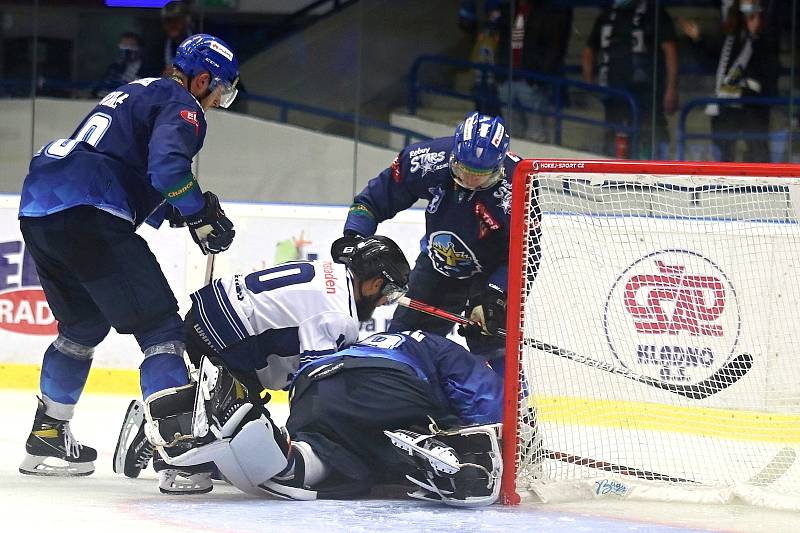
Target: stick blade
(727,375)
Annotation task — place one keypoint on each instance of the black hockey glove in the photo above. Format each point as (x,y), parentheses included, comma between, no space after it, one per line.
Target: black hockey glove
(343,247)
(489,317)
(210,228)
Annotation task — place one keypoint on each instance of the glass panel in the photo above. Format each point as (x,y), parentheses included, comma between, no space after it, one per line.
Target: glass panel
(735,80)
(18,55)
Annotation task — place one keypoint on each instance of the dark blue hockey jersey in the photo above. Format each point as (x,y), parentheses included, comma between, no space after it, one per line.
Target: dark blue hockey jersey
(132,152)
(467,231)
(459,381)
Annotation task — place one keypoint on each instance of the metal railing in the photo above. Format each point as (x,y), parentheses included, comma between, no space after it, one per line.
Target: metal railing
(484,97)
(768,102)
(284,106)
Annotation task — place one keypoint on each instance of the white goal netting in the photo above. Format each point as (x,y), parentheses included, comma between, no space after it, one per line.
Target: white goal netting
(659,342)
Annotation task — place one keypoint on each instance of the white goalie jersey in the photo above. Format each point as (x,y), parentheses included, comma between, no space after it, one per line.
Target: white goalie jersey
(276,319)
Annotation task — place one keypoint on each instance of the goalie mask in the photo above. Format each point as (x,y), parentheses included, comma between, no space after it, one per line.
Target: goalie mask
(460,468)
(479,146)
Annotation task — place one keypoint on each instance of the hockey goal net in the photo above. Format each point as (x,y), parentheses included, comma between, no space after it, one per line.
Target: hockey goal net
(653,345)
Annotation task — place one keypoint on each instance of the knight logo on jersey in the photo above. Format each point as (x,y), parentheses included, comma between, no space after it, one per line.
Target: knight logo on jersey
(673,315)
(23,306)
(451,257)
(191,118)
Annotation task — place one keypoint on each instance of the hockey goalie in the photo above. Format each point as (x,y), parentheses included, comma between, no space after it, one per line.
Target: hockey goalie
(402,407)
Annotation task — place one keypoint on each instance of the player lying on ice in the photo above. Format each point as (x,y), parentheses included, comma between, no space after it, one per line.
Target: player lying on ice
(266,324)
(363,416)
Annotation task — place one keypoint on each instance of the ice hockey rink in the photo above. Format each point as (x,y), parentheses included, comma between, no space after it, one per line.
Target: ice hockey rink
(105,501)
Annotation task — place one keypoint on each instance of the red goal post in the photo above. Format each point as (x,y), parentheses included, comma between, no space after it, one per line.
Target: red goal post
(593,174)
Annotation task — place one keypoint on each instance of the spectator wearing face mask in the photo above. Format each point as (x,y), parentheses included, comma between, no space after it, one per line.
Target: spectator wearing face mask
(748,66)
(126,66)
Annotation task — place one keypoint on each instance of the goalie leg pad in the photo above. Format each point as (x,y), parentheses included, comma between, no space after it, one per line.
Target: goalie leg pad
(221,402)
(247,460)
(477,481)
(169,415)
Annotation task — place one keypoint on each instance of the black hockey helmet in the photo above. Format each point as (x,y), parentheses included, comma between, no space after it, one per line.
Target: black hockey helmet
(368,257)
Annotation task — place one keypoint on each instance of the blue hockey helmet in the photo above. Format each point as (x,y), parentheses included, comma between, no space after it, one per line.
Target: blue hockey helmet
(479,146)
(206,53)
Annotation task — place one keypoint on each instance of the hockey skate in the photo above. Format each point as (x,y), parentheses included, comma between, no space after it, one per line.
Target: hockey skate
(183,480)
(133,451)
(459,467)
(53,451)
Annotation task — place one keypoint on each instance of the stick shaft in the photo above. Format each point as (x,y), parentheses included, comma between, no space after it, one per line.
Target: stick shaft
(210,268)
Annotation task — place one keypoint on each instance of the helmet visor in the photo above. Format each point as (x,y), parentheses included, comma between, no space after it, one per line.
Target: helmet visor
(229,91)
(472,178)
(393,292)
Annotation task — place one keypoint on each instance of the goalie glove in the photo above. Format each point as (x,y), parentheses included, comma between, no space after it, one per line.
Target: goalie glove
(210,228)
(461,468)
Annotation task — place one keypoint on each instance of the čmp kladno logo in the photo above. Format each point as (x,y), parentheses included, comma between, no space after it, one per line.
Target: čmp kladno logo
(23,307)
(673,315)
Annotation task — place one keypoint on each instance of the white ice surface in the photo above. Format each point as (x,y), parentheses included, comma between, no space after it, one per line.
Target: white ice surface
(107,502)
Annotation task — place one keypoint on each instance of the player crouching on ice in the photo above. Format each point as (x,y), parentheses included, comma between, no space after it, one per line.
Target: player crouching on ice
(346,409)
(265,325)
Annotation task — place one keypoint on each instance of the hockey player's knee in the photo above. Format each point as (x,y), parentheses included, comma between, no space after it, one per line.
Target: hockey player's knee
(79,340)
(168,329)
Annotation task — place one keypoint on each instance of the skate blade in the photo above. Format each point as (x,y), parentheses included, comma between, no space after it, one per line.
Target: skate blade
(41,465)
(175,483)
(134,419)
(438,463)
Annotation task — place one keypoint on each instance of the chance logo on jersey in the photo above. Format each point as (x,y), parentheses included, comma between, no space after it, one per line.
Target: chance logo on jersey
(451,257)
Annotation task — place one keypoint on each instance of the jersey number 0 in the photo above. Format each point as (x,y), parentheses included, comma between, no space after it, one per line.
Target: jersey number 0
(279,276)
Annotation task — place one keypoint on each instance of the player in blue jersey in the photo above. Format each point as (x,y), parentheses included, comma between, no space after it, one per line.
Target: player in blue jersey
(342,406)
(463,265)
(128,162)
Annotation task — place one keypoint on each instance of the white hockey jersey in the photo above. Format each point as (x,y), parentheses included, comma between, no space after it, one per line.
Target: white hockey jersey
(276,319)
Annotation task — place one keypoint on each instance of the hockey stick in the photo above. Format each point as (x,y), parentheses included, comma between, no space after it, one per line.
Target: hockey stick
(210,267)
(777,467)
(611,467)
(428,309)
(728,374)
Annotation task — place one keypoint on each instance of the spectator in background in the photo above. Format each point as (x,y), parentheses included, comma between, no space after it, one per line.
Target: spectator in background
(621,46)
(748,65)
(126,65)
(177,23)
(535,39)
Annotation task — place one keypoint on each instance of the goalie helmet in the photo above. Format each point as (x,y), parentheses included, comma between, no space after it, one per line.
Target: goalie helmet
(206,53)
(479,146)
(377,255)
